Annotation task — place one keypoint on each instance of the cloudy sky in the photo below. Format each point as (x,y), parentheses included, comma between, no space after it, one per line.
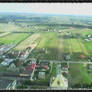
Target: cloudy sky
(51,8)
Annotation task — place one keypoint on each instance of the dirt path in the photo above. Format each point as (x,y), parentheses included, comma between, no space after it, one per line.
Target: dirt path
(70,47)
(84,50)
(60,49)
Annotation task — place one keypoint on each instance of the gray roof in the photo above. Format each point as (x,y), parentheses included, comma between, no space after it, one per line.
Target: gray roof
(4,83)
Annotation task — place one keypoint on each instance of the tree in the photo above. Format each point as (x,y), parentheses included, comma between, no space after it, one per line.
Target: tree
(37,61)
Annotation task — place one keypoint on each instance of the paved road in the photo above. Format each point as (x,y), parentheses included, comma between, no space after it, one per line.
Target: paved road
(56,61)
(13,78)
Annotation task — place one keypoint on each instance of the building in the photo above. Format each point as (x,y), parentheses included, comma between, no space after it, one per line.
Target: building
(4,83)
(90,66)
(12,85)
(41,75)
(33,60)
(12,66)
(7,62)
(82,56)
(90,58)
(24,54)
(67,57)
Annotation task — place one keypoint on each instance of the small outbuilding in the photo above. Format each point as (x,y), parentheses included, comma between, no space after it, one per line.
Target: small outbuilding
(67,57)
(82,56)
(41,75)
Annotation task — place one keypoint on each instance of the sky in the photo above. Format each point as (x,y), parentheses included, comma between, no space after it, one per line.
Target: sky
(49,8)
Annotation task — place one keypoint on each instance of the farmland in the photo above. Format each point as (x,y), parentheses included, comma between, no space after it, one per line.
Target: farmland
(28,42)
(81,76)
(13,38)
(53,46)
(36,41)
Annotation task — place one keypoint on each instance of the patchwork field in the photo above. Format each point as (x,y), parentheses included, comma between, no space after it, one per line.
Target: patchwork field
(47,47)
(53,46)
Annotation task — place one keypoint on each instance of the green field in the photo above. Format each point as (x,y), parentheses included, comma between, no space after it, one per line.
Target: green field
(79,75)
(47,47)
(13,38)
(27,42)
(53,46)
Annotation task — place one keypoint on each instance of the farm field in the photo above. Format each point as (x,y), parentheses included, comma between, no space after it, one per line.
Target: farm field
(27,42)
(47,47)
(54,46)
(4,34)
(79,74)
(13,38)
(8,27)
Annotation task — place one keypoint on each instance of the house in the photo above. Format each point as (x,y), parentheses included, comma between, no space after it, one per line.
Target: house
(24,54)
(16,53)
(90,66)
(12,66)
(4,83)
(33,60)
(86,40)
(41,75)
(45,67)
(19,63)
(88,35)
(90,38)
(67,57)
(12,85)
(90,58)
(44,63)
(82,56)
(31,67)
(7,62)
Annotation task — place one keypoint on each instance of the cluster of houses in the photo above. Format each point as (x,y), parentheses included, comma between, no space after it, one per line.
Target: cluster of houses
(65,67)
(14,59)
(39,69)
(25,53)
(5,48)
(88,38)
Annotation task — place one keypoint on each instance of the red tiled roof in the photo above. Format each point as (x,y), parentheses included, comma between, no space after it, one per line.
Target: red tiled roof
(82,56)
(46,67)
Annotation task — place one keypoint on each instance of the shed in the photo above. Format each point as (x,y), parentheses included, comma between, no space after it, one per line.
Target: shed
(41,75)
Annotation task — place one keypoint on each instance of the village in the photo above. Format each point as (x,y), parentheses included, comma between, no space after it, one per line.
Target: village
(21,70)
(45,51)
(17,65)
